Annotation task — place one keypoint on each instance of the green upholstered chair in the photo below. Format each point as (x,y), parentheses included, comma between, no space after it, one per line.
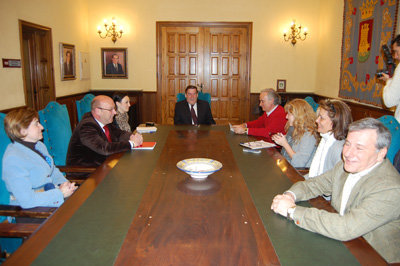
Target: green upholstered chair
(84,105)
(57,130)
(393,125)
(311,102)
(180,97)
(56,135)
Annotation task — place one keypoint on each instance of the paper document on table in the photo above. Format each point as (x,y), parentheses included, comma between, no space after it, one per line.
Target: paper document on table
(146,146)
(231,127)
(142,130)
(260,144)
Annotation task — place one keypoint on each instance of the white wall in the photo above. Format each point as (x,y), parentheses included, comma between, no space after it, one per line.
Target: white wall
(309,66)
(69,23)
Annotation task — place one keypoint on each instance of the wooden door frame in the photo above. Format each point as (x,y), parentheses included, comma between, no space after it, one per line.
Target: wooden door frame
(23,23)
(161,24)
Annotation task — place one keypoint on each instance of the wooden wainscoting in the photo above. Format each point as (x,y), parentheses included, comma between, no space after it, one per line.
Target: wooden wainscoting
(149,107)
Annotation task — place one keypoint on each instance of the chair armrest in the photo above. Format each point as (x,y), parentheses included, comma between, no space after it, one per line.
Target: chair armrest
(76,169)
(17,230)
(17,211)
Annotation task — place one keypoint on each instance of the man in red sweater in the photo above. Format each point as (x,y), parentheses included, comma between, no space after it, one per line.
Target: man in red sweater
(271,122)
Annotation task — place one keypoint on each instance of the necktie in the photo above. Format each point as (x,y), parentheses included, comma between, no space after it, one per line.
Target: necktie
(107,132)
(194,117)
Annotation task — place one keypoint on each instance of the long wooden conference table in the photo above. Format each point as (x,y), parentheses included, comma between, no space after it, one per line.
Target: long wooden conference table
(138,208)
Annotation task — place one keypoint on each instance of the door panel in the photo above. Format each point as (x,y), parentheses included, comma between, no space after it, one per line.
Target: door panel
(227,76)
(38,65)
(215,57)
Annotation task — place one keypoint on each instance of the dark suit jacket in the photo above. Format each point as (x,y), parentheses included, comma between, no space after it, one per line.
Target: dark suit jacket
(68,71)
(110,69)
(184,117)
(89,146)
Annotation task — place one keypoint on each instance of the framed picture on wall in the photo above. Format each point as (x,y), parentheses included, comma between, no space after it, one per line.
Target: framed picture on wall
(67,61)
(114,63)
(281,85)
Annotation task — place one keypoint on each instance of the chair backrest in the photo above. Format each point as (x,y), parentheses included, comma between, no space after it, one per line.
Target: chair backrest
(202,96)
(393,125)
(180,97)
(205,96)
(84,105)
(57,131)
(311,102)
(4,141)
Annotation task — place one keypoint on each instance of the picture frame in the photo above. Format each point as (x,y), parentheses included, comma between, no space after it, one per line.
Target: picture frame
(281,85)
(67,61)
(114,63)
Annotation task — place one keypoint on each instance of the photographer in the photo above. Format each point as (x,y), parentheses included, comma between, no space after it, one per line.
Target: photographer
(391,91)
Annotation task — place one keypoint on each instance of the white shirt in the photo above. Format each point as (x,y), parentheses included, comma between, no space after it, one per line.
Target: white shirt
(351,181)
(317,164)
(195,110)
(391,93)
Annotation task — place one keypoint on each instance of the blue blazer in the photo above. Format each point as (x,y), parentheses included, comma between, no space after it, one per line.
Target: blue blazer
(25,172)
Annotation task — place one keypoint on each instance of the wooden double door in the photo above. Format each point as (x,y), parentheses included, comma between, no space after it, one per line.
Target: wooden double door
(213,56)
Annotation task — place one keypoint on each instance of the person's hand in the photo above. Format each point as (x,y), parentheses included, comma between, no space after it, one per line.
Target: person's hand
(67,188)
(137,139)
(281,203)
(279,139)
(239,129)
(384,77)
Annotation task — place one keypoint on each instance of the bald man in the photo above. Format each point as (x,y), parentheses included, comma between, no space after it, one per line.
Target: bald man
(96,137)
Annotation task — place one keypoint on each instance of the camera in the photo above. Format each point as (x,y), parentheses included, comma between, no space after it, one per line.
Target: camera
(390,65)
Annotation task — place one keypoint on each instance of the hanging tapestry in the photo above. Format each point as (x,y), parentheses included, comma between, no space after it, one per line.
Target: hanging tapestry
(367,25)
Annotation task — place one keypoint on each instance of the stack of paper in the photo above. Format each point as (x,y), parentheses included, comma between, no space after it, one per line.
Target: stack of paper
(254,145)
(146,129)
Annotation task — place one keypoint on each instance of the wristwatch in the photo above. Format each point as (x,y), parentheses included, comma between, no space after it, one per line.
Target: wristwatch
(290,213)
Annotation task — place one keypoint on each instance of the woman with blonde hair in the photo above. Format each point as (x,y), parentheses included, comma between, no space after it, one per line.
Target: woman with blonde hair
(299,144)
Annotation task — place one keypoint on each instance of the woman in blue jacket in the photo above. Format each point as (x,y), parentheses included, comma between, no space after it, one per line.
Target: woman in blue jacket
(28,169)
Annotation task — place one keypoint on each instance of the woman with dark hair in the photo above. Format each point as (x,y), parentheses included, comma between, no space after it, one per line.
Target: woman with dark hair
(299,144)
(122,103)
(333,120)
(28,169)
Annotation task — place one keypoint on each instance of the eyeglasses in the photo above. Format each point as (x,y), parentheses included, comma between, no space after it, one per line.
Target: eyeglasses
(110,110)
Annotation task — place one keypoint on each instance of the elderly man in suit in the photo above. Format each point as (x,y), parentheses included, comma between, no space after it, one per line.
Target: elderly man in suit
(365,190)
(96,137)
(192,111)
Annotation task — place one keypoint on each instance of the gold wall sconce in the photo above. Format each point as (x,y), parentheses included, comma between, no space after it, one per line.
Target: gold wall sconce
(114,31)
(295,33)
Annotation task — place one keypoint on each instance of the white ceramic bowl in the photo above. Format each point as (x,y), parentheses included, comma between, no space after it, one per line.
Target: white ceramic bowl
(199,168)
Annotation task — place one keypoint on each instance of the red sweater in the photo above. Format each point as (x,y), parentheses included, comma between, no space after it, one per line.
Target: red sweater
(265,125)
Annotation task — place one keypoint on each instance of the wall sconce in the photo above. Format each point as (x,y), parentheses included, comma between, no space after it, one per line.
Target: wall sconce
(295,34)
(114,31)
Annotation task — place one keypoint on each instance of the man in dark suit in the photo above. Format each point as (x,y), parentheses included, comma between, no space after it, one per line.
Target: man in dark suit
(192,111)
(114,67)
(96,137)
(68,68)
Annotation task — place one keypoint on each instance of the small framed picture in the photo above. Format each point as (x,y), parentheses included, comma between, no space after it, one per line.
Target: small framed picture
(67,61)
(281,85)
(114,63)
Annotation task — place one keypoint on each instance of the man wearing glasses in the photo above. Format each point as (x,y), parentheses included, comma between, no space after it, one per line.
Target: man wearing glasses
(96,137)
